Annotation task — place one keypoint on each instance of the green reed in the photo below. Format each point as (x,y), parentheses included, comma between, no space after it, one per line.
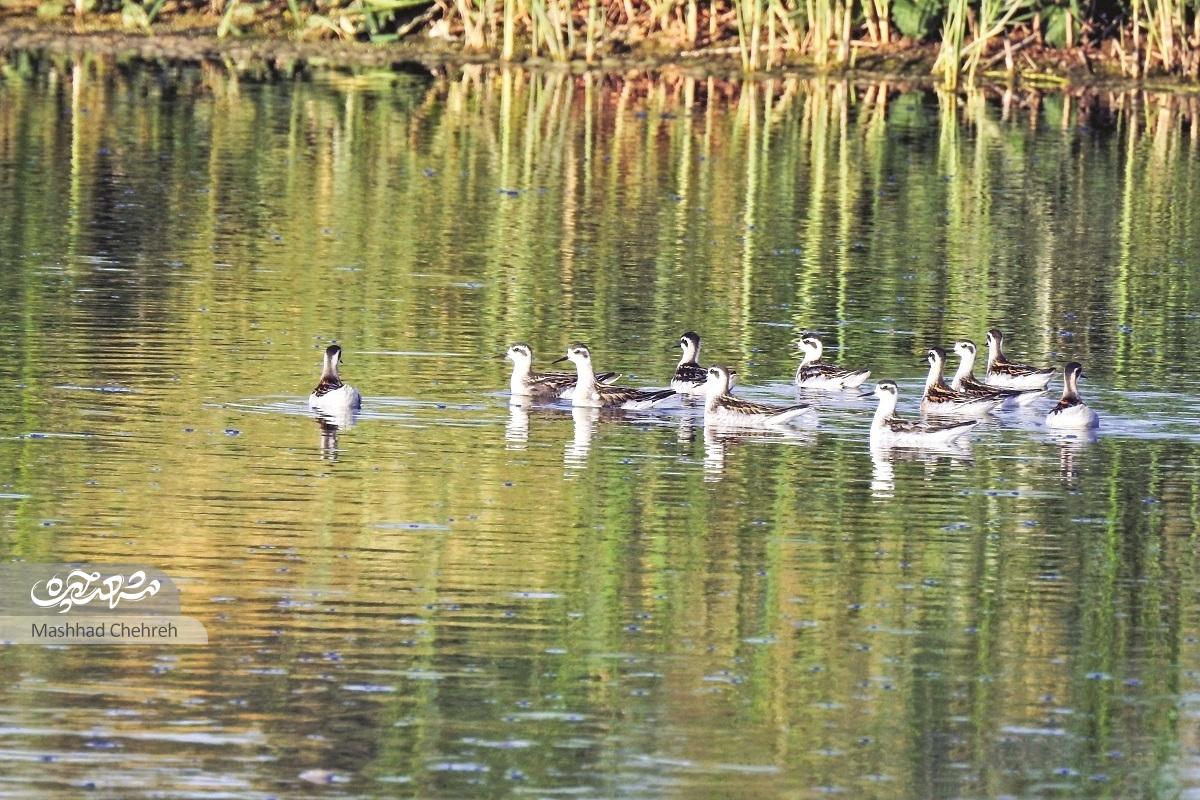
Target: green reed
(1141,37)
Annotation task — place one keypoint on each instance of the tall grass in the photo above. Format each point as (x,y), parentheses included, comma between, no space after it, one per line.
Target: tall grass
(1141,37)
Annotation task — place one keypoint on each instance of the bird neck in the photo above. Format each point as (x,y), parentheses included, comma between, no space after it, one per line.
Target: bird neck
(1070,388)
(887,408)
(995,354)
(587,376)
(935,375)
(329,368)
(520,374)
(965,367)
(714,391)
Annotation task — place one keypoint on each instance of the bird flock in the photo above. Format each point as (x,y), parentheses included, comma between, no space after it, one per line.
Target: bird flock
(949,410)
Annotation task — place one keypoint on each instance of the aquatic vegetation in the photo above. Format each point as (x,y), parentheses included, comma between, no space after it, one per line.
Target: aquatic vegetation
(969,37)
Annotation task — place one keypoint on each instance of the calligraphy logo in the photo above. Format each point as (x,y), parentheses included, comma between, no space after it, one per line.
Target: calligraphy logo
(80,588)
(80,603)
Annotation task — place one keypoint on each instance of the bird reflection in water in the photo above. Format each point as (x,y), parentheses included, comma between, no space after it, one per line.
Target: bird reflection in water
(884,460)
(516,430)
(718,439)
(575,455)
(1070,447)
(329,424)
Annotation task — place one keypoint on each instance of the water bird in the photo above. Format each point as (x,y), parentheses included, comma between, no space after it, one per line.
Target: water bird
(813,373)
(722,408)
(524,382)
(889,430)
(331,395)
(941,400)
(964,380)
(690,377)
(1009,374)
(1071,411)
(591,393)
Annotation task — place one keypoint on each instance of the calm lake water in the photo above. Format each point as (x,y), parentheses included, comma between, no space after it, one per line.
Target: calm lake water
(454,598)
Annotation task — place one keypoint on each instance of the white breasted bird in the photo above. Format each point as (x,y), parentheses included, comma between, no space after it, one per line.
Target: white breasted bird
(964,380)
(1009,374)
(813,373)
(722,408)
(889,430)
(1071,411)
(527,383)
(590,392)
(940,400)
(690,377)
(330,394)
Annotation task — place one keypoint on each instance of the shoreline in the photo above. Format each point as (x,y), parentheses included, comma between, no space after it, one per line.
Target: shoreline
(193,38)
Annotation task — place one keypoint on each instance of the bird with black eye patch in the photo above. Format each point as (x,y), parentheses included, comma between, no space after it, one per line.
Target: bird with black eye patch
(813,373)
(591,393)
(964,380)
(722,408)
(1071,411)
(689,377)
(940,400)
(330,394)
(889,430)
(524,382)
(1009,374)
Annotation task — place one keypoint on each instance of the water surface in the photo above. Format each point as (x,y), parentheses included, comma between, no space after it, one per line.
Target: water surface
(459,598)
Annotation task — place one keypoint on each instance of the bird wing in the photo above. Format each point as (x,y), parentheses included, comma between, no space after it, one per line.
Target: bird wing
(326,386)
(940,393)
(975,388)
(819,369)
(551,381)
(691,373)
(1018,370)
(1063,405)
(619,394)
(897,425)
(748,407)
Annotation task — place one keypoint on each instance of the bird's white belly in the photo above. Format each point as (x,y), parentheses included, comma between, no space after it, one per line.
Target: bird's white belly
(1079,416)
(339,399)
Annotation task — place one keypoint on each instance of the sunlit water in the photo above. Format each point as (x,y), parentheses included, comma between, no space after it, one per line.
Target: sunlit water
(458,598)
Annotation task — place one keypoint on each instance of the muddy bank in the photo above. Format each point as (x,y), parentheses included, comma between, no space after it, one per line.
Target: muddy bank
(193,38)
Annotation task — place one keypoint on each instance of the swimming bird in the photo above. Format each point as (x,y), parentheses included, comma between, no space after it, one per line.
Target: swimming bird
(965,381)
(813,373)
(589,392)
(722,408)
(690,377)
(527,383)
(887,429)
(1071,412)
(1008,374)
(331,395)
(941,400)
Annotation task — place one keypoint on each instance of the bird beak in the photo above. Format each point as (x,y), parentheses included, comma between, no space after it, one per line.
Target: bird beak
(502,357)
(866,394)
(560,360)
(1083,374)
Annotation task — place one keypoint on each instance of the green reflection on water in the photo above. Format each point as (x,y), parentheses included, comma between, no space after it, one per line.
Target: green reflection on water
(628,606)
